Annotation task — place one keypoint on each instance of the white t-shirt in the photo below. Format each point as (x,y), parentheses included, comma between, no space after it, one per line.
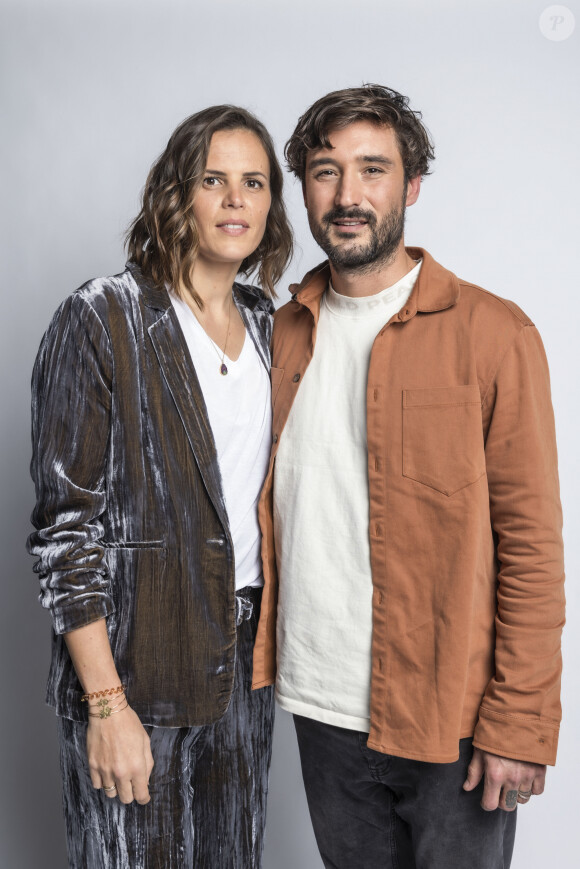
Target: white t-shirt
(240,415)
(321,518)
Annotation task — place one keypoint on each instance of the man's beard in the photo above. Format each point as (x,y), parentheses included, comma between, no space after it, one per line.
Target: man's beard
(367,257)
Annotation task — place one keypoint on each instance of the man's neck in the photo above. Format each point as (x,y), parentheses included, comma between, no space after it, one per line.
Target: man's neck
(357,283)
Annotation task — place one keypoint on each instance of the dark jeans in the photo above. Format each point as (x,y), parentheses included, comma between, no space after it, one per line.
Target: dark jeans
(374,811)
(208,786)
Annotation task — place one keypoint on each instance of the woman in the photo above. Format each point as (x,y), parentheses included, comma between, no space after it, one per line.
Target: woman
(151,433)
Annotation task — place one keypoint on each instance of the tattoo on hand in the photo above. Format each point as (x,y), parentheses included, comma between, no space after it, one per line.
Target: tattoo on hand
(511,799)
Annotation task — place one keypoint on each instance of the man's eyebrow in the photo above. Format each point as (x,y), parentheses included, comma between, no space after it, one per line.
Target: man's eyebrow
(366,158)
(378,158)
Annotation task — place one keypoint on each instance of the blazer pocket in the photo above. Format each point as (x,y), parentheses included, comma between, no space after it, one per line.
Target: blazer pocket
(134,544)
(276,377)
(138,588)
(442,437)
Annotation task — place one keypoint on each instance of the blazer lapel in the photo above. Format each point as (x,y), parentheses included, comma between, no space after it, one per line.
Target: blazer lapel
(253,329)
(179,374)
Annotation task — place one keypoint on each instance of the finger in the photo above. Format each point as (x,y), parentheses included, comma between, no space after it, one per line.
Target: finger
(149,762)
(110,791)
(539,784)
(474,771)
(96,780)
(509,796)
(525,788)
(141,790)
(492,791)
(125,790)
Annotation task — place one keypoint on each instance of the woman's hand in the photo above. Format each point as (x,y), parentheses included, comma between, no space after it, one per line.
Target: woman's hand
(119,754)
(118,746)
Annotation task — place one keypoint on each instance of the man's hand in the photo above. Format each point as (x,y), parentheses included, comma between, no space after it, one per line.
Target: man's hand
(506,782)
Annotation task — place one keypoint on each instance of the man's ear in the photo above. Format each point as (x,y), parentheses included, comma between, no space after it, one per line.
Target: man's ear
(304,194)
(413,190)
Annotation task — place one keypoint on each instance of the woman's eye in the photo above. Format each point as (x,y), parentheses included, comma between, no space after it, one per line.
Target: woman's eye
(254,184)
(211,181)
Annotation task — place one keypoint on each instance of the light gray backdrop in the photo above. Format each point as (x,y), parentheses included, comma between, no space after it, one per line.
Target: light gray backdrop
(91,90)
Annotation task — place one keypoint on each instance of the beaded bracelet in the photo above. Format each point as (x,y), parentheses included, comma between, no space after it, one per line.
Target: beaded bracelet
(96,694)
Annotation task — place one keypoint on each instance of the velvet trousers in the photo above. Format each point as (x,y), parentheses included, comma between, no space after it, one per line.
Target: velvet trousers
(376,811)
(208,786)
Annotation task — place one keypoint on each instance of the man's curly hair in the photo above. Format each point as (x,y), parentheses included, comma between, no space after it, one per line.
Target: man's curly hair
(371,102)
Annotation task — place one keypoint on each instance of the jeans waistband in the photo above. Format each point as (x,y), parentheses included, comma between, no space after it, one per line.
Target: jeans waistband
(246,599)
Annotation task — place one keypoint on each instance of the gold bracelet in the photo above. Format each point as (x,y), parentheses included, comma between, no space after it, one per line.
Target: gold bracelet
(96,694)
(107,711)
(103,705)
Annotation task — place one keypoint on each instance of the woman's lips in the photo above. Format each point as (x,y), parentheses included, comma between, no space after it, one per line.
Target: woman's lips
(233,227)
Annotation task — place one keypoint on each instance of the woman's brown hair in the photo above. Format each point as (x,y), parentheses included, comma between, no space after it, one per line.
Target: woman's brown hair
(163,239)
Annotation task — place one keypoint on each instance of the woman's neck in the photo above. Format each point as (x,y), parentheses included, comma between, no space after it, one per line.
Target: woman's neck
(213,284)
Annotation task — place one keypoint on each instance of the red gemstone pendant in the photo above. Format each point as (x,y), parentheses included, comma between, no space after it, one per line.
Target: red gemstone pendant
(223,368)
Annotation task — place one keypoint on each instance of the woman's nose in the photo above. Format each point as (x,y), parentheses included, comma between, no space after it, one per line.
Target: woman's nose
(233,197)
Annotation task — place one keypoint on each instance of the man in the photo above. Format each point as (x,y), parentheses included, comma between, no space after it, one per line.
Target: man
(413,605)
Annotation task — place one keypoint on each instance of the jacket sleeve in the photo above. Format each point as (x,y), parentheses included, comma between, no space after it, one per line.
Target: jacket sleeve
(71,404)
(520,711)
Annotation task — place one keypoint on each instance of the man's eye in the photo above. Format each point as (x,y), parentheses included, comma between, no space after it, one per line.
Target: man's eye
(325,173)
(373,170)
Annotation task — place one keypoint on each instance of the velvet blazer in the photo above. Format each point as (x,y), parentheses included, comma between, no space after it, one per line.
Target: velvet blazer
(131,523)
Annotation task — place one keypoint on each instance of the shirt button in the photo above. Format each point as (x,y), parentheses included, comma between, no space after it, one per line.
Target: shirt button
(296,378)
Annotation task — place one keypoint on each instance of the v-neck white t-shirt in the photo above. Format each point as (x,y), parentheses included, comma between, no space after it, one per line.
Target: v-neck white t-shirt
(240,415)
(321,518)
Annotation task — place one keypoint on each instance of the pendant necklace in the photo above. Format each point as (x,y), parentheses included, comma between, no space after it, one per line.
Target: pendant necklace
(223,366)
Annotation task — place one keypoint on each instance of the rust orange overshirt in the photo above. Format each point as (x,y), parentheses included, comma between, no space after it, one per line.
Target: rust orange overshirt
(464,526)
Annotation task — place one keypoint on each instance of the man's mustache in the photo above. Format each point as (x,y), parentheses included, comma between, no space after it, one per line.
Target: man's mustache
(339,213)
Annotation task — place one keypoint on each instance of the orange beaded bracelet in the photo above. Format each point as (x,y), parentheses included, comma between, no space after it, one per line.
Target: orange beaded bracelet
(94,695)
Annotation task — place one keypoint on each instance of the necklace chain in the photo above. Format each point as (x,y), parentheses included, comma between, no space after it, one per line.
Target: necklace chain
(223,366)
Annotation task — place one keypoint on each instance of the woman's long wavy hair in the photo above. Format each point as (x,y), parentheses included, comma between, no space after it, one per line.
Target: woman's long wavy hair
(163,239)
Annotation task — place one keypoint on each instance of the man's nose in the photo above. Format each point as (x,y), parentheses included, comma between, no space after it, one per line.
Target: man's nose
(349,190)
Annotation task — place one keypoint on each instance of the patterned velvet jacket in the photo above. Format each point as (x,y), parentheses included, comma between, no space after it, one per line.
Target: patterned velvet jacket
(130,516)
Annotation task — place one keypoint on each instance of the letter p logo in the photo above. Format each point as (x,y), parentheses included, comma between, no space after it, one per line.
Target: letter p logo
(557,23)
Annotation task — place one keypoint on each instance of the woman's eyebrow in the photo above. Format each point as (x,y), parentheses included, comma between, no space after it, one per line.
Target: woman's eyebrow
(244,174)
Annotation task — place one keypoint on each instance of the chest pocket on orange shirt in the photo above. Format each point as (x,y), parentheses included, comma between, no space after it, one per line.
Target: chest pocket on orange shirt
(442,437)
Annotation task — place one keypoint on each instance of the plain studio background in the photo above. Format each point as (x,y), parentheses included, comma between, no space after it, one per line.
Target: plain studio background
(92,89)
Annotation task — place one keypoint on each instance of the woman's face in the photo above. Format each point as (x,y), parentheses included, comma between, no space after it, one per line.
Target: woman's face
(231,206)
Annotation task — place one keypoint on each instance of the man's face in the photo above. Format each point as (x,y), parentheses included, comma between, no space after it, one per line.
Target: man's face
(355,194)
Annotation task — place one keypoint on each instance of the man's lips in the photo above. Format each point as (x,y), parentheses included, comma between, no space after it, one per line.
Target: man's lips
(349,225)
